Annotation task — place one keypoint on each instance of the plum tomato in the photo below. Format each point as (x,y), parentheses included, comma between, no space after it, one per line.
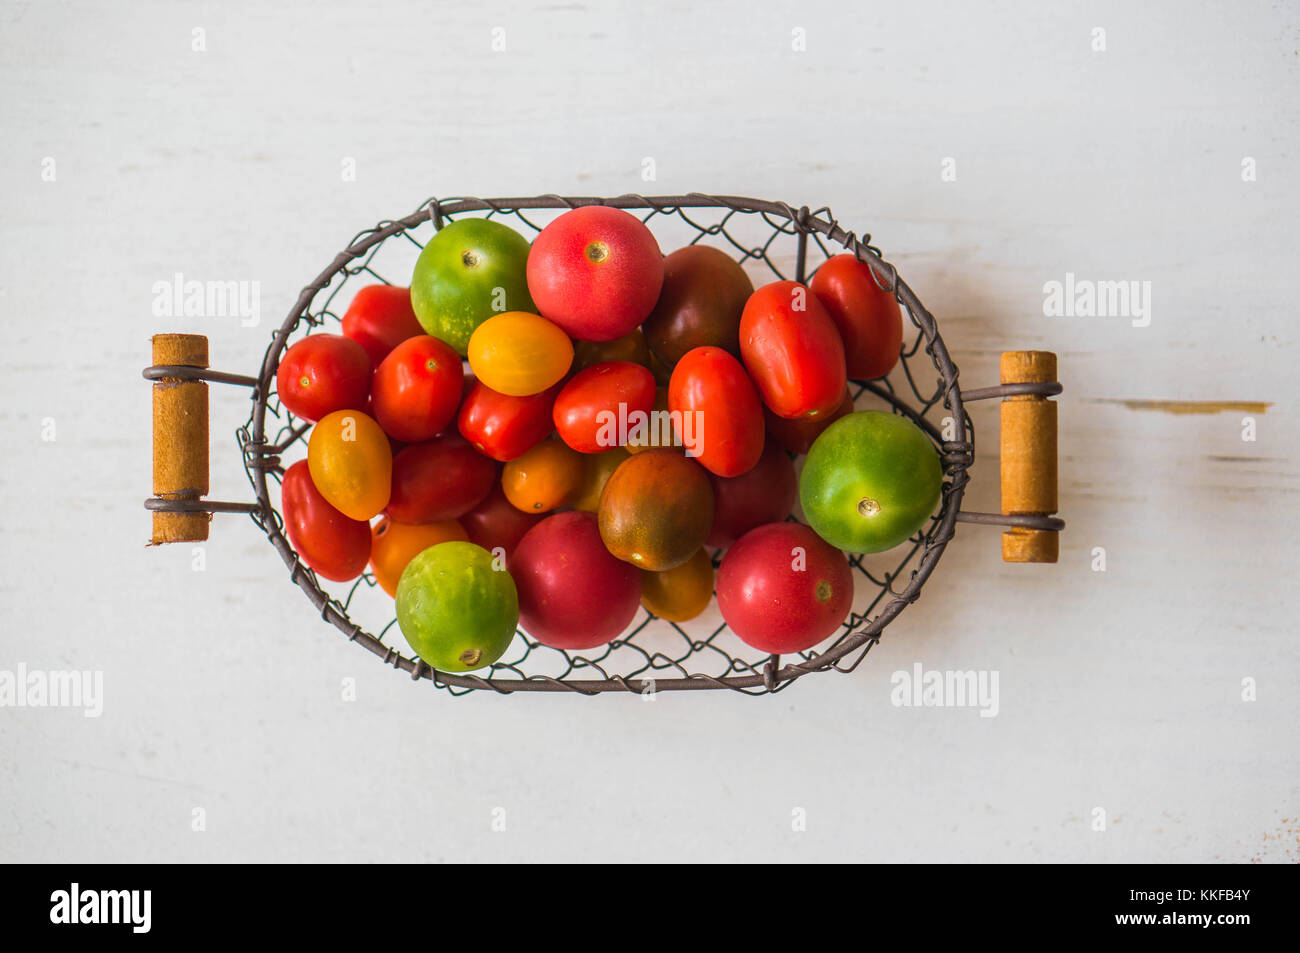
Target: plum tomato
(793,351)
(798,435)
(703,296)
(572,593)
(593,409)
(323,373)
(470,270)
(457,606)
(548,476)
(656,509)
(333,545)
(351,463)
(417,389)
(504,427)
(680,594)
(497,524)
(439,479)
(630,347)
(763,495)
(393,545)
(519,354)
(782,589)
(869,319)
(719,409)
(379,318)
(871,480)
(595,271)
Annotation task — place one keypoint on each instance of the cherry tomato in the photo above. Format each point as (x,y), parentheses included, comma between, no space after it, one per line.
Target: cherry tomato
(798,435)
(704,293)
(726,417)
(519,354)
(351,463)
(417,389)
(595,271)
(763,495)
(600,466)
(792,350)
(869,319)
(594,408)
(323,373)
(547,476)
(393,545)
(440,479)
(658,431)
(496,523)
(572,593)
(680,594)
(504,427)
(783,589)
(332,544)
(379,318)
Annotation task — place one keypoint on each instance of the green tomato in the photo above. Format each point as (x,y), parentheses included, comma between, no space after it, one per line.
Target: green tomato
(469,271)
(456,609)
(871,480)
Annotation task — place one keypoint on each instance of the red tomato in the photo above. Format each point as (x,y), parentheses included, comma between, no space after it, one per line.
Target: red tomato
(379,318)
(763,495)
(711,387)
(572,593)
(596,272)
(783,589)
(798,435)
(505,427)
(590,407)
(792,350)
(496,523)
(417,389)
(333,545)
(440,479)
(323,373)
(869,320)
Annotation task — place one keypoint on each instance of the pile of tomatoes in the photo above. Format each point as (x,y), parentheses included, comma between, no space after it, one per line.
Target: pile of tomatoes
(624,415)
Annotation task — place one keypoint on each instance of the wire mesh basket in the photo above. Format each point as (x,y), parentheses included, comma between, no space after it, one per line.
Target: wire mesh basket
(772,241)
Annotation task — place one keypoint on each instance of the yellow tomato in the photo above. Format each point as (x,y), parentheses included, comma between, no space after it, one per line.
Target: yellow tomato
(630,347)
(682,593)
(393,545)
(547,476)
(599,467)
(658,430)
(519,354)
(351,463)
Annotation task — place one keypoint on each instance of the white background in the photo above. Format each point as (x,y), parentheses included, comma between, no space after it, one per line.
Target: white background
(1120,690)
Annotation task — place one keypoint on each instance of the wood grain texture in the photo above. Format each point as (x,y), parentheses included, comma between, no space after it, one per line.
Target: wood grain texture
(1121,690)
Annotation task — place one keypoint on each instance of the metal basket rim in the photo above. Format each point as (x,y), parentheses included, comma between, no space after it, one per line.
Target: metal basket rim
(774,676)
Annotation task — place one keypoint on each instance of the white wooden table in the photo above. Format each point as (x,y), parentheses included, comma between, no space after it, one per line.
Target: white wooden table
(1167,157)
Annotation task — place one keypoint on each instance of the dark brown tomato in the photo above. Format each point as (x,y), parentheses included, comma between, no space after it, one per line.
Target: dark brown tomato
(797,435)
(656,509)
(700,304)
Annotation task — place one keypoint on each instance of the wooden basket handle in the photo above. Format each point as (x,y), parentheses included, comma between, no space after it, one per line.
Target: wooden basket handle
(1028,453)
(180,439)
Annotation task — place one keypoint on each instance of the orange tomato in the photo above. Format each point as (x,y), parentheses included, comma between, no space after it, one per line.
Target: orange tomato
(682,593)
(393,545)
(351,463)
(547,476)
(519,354)
(599,467)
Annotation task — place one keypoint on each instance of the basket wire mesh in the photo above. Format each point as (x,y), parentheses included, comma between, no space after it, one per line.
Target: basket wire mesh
(775,241)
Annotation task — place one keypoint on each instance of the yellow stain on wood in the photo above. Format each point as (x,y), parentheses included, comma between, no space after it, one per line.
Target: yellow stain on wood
(1194,406)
